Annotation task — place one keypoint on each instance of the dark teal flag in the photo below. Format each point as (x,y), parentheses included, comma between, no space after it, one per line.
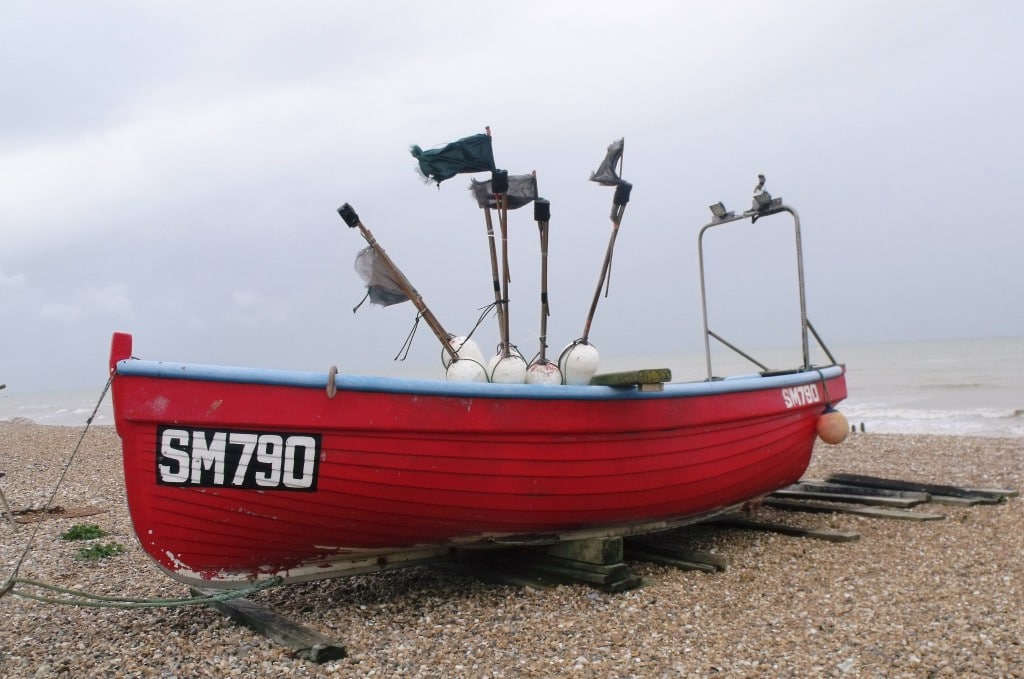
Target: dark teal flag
(471,154)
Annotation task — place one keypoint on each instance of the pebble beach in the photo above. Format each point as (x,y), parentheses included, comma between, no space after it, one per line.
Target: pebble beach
(907,599)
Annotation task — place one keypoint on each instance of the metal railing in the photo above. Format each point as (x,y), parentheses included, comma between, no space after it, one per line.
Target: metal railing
(763,206)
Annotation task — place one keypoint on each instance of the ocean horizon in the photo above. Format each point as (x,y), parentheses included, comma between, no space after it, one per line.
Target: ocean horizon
(970,387)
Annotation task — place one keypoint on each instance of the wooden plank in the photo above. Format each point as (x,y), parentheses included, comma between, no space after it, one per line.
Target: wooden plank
(306,643)
(615,580)
(795,531)
(641,554)
(648,545)
(842,488)
(877,512)
(959,501)
(997,492)
(493,575)
(853,499)
(931,488)
(591,550)
(630,378)
(613,577)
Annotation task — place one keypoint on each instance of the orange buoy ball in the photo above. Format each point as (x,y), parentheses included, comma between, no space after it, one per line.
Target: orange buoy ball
(832,426)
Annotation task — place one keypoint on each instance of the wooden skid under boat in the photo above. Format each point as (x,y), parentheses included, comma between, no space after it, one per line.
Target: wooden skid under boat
(237,474)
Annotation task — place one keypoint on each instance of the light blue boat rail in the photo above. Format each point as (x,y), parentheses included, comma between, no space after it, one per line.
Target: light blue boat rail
(395,385)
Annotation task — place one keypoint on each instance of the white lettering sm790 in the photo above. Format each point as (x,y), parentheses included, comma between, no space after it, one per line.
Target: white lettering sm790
(801,396)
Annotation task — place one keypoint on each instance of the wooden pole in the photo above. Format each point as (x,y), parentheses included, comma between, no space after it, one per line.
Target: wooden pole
(618,208)
(542,213)
(495,276)
(348,213)
(499,184)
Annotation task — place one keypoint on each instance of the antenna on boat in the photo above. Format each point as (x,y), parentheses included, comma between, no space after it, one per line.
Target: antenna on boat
(579,360)
(348,213)
(543,371)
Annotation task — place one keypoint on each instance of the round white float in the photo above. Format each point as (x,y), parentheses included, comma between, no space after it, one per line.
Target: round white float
(543,373)
(578,363)
(508,369)
(466,370)
(465,347)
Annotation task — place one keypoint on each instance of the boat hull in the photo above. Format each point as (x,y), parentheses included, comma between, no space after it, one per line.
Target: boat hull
(234,475)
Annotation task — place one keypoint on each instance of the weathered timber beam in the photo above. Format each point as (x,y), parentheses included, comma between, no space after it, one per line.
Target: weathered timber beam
(854,499)
(795,531)
(630,378)
(842,488)
(648,546)
(306,643)
(931,488)
(825,507)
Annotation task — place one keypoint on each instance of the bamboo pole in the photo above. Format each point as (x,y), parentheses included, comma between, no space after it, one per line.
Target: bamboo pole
(348,213)
(495,275)
(542,214)
(619,202)
(499,185)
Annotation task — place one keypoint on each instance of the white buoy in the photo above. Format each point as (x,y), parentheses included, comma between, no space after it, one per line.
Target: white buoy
(509,369)
(465,347)
(466,370)
(543,373)
(578,363)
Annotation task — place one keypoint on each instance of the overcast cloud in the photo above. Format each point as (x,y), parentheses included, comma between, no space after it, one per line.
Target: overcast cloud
(172,169)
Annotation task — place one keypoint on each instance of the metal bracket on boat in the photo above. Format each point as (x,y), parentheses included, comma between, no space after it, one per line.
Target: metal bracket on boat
(763,205)
(332,388)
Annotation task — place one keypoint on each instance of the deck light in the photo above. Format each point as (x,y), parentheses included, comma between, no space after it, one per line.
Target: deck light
(719,211)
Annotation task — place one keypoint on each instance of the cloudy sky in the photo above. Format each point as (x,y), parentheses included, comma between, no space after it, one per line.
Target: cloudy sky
(172,169)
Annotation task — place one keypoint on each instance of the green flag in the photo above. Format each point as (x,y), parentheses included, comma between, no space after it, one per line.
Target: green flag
(470,154)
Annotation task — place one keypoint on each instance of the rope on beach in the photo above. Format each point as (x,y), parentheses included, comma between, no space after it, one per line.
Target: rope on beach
(9,584)
(79,598)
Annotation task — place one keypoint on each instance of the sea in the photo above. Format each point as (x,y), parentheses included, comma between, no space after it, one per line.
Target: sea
(969,387)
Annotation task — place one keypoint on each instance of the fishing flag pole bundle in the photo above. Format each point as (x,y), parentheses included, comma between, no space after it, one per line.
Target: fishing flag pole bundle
(386,285)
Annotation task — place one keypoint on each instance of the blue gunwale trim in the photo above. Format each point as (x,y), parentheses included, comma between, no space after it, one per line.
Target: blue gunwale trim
(422,387)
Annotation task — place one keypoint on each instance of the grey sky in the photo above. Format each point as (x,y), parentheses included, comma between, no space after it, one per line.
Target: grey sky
(173,170)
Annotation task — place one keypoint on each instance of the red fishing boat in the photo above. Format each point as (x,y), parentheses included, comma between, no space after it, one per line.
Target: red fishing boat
(240,474)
